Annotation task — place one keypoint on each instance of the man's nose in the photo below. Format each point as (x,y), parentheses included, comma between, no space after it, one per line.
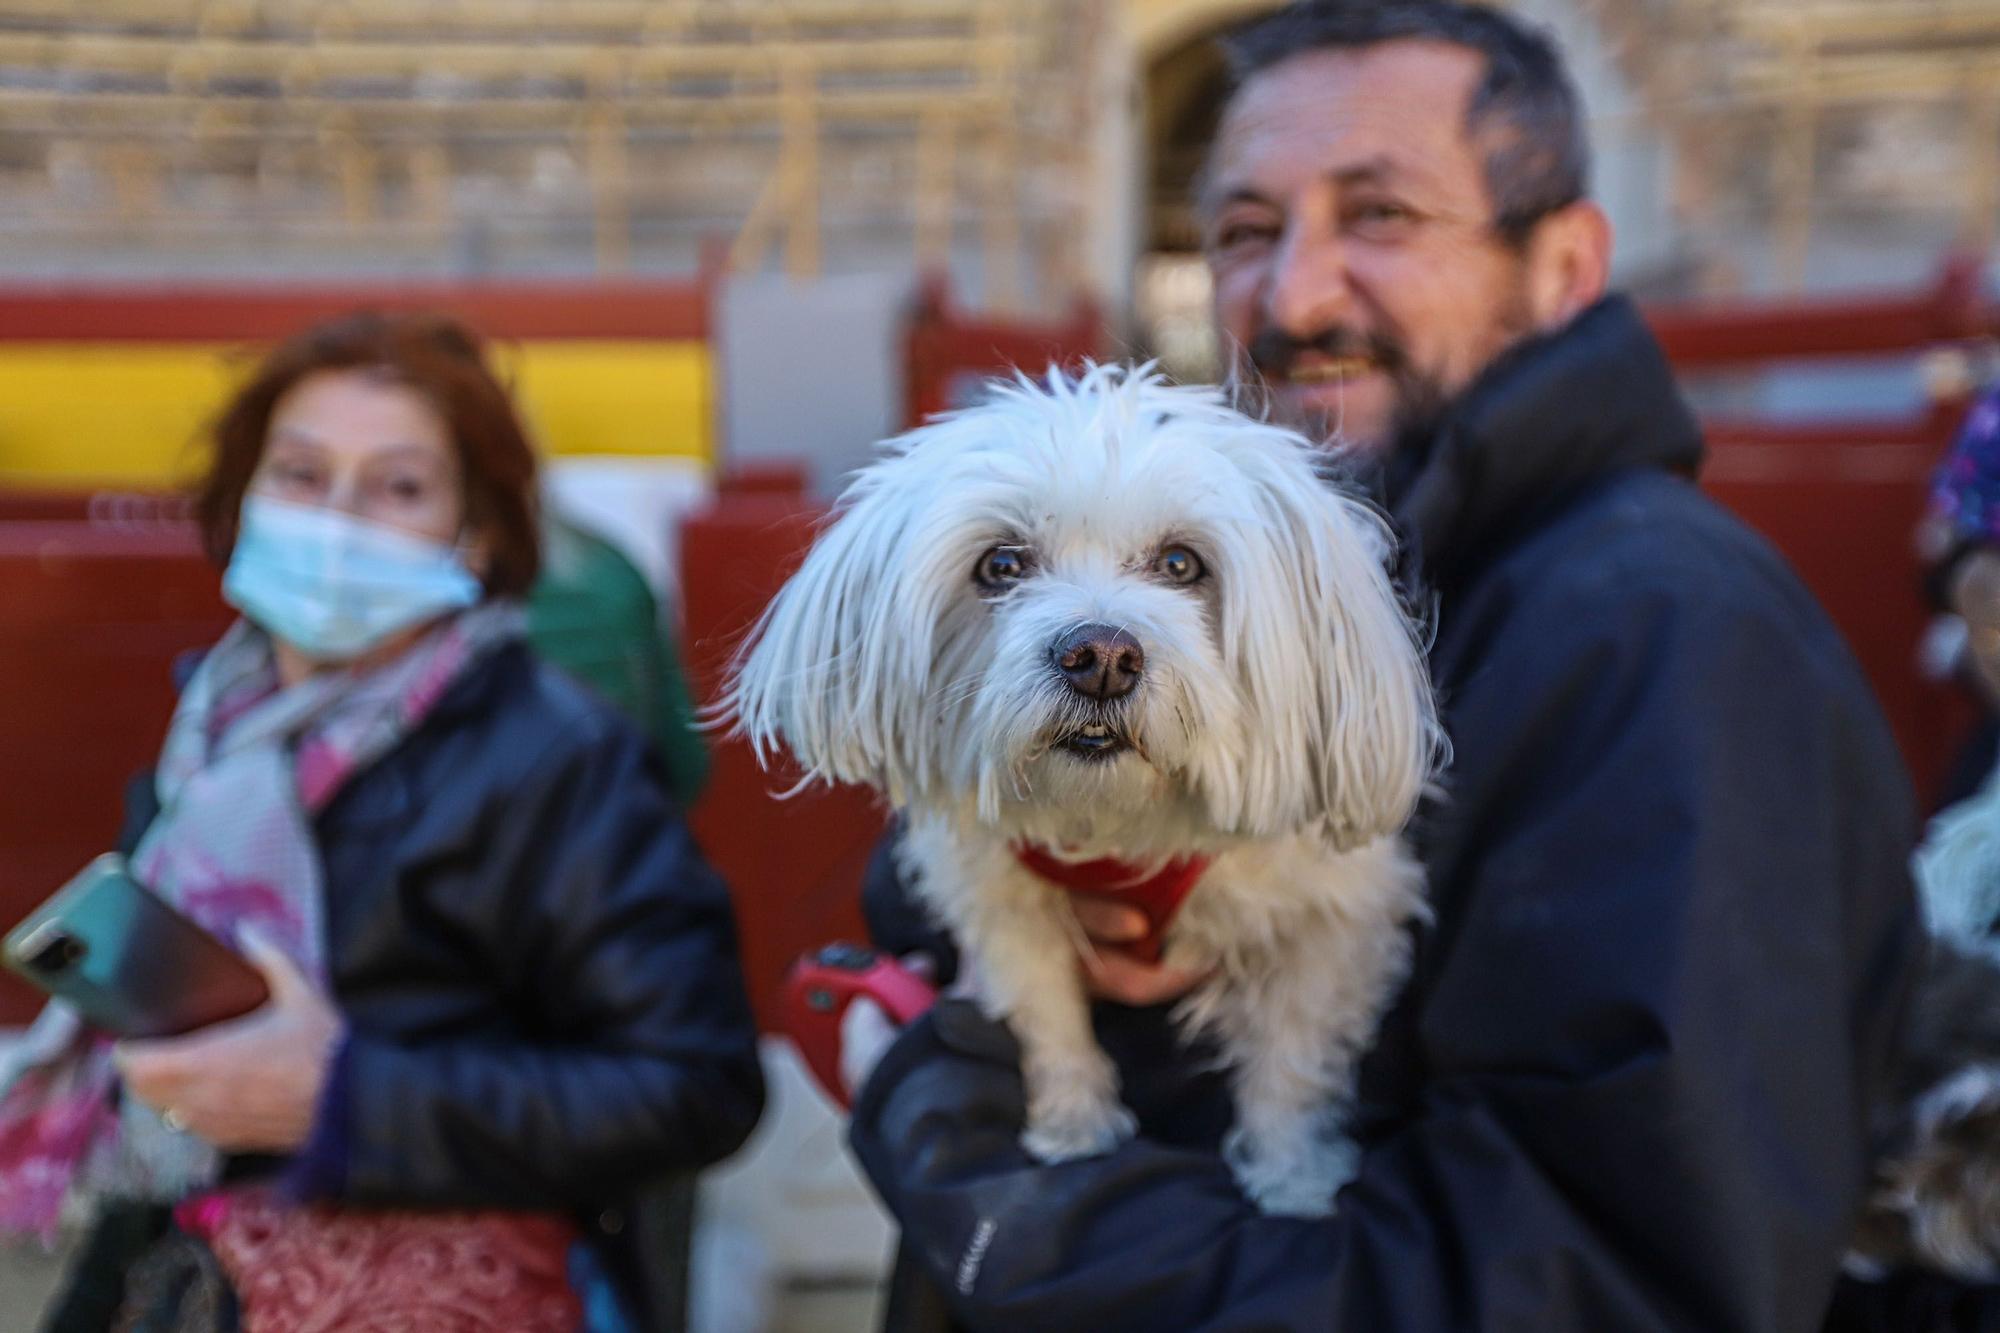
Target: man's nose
(1306,290)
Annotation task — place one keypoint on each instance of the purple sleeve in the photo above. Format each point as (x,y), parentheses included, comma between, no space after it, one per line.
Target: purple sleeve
(319,1169)
(1965,492)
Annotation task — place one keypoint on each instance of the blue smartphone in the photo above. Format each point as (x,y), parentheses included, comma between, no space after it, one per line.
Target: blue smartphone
(126,960)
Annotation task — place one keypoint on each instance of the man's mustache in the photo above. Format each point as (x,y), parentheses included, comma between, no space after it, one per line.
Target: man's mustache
(1273,351)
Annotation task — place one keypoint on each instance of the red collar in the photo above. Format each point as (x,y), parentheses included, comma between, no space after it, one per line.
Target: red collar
(1158,895)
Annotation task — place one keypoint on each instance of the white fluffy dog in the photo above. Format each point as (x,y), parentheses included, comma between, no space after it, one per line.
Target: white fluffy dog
(1114,619)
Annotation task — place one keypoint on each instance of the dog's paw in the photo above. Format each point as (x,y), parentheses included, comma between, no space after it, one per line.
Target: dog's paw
(1294,1181)
(1287,1195)
(1068,1124)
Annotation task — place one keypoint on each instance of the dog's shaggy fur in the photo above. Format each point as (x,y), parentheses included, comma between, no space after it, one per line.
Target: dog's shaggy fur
(1935,1202)
(1281,725)
(1935,1199)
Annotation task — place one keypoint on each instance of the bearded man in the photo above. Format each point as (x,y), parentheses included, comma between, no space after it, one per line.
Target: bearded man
(1631,1081)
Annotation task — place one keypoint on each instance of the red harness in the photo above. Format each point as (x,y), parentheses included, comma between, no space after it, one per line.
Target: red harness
(1158,895)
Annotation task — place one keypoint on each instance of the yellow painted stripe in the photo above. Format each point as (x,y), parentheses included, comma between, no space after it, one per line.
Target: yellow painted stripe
(132,414)
(585,396)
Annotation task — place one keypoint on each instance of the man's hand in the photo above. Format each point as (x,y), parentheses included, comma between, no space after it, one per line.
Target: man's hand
(250,1084)
(1110,970)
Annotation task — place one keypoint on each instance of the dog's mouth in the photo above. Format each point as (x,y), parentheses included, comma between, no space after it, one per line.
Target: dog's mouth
(1094,742)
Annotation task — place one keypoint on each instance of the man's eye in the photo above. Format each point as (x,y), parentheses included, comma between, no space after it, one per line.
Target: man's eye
(1177,564)
(1001,566)
(1380,219)
(1232,235)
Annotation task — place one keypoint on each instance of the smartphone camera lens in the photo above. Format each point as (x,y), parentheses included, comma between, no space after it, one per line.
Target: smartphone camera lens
(54,951)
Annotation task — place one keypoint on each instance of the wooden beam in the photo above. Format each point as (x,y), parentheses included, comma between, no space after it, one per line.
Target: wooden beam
(799,164)
(1795,145)
(135,181)
(1928,77)
(1000,209)
(383,58)
(525,18)
(1979,224)
(937,150)
(354,161)
(609,184)
(753,237)
(430,187)
(32,110)
(1866,24)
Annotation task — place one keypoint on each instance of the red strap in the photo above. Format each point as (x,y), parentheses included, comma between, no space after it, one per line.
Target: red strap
(1159,895)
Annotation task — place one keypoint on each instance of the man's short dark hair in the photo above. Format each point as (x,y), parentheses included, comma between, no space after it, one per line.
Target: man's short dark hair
(1525,107)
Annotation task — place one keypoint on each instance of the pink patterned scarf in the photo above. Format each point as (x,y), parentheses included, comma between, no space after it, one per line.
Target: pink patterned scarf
(245,767)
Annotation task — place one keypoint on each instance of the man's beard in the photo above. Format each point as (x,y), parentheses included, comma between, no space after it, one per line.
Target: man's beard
(1420,398)
(1421,403)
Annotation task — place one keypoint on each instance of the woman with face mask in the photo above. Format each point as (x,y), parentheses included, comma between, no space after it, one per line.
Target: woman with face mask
(504,992)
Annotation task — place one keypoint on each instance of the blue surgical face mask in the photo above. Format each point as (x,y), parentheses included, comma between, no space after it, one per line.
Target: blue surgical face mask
(334,586)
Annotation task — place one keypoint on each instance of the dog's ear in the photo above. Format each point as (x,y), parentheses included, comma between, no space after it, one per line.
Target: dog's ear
(830,669)
(1332,665)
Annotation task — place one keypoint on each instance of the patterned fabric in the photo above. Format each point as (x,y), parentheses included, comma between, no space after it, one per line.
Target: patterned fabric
(305,1269)
(244,768)
(1965,493)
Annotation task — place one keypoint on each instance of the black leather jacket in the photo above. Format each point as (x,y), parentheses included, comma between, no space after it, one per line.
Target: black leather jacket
(537,967)
(1633,1080)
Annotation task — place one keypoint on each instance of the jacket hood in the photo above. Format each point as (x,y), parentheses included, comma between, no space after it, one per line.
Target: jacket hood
(1546,420)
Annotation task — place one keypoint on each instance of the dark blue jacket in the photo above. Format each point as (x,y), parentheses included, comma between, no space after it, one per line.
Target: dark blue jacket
(1633,1081)
(537,967)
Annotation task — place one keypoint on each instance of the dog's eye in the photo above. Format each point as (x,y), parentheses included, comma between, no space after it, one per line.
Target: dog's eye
(1001,566)
(1177,564)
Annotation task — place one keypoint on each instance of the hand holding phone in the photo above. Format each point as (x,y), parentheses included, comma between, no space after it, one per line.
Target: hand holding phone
(126,960)
(252,1084)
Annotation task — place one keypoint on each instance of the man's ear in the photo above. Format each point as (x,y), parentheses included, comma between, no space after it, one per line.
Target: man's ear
(1569,264)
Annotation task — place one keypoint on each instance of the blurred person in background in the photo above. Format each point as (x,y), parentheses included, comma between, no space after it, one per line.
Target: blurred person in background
(1959,540)
(593,614)
(1926,1252)
(1633,1080)
(504,990)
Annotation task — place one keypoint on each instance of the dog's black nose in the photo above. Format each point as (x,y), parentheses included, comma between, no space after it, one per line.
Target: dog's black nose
(1099,662)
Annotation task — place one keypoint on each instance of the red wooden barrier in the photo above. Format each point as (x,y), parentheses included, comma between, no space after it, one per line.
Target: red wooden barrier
(1843,504)
(1841,499)
(95,616)
(1722,334)
(795,864)
(942,349)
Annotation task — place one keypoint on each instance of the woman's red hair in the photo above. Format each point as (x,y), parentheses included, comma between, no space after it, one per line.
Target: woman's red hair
(441,360)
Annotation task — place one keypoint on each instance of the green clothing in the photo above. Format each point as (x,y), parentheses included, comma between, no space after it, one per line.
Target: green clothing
(593,614)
